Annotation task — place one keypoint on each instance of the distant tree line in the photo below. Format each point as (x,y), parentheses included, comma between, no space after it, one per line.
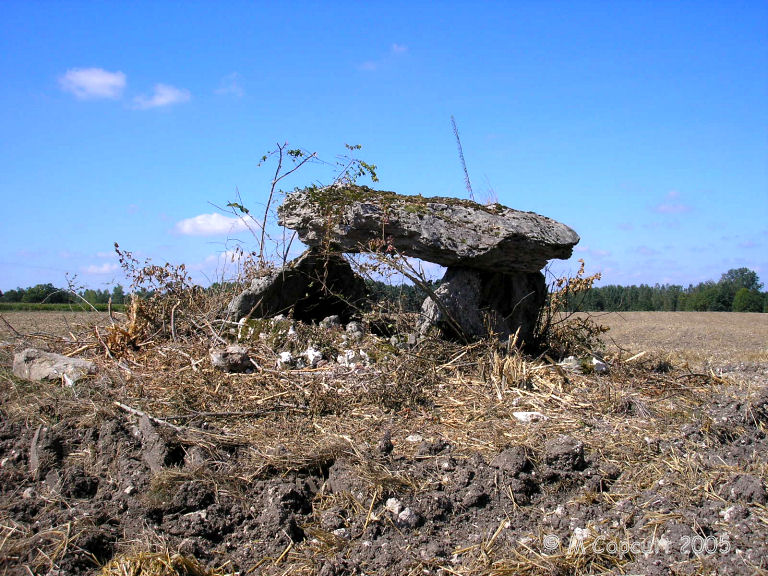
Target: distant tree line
(49,294)
(738,290)
(404,297)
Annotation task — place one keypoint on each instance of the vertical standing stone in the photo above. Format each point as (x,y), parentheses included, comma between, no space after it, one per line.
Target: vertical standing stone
(474,304)
(311,287)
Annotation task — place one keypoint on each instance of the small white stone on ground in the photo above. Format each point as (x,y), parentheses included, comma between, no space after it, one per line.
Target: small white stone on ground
(529,416)
(394,505)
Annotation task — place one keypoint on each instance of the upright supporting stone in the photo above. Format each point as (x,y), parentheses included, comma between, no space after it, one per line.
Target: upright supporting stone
(312,287)
(474,304)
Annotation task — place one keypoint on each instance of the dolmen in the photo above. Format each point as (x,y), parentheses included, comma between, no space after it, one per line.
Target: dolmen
(493,256)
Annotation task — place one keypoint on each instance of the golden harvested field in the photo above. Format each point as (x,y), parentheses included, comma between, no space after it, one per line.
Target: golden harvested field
(698,337)
(48,322)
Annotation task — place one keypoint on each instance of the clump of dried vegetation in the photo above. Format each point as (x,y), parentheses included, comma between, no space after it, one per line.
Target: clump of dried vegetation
(560,332)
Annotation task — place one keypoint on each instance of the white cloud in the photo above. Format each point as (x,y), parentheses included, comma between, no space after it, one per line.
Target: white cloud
(226,256)
(671,205)
(210,225)
(369,66)
(106,268)
(395,51)
(230,84)
(592,251)
(164,95)
(93,83)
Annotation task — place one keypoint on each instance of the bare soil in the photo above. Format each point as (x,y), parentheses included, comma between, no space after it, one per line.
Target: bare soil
(431,459)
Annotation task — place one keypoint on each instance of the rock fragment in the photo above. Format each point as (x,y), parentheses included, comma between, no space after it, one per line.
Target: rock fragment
(233,358)
(34,364)
(474,303)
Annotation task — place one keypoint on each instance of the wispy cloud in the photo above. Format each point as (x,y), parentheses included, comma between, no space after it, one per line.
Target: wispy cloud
(369,66)
(230,85)
(672,205)
(209,225)
(105,268)
(646,251)
(222,261)
(592,251)
(395,51)
(93,83)
(672,224)
(164,95)
(748,244)
(220,266)
(398,48)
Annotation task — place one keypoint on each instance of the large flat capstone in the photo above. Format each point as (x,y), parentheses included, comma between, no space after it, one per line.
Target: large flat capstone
(446,231)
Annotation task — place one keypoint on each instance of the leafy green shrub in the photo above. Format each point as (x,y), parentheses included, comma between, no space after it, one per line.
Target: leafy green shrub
(747,300)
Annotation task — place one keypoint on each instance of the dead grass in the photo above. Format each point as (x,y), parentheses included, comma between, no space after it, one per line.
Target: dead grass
(157,564)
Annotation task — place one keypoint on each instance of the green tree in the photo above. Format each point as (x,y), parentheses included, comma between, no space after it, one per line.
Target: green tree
(747,301)
(41,293)
(733,281)
(118,294)
(13,295)
(742,278)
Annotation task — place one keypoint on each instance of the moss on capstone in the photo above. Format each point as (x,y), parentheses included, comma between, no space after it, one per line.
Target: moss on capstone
(332,199)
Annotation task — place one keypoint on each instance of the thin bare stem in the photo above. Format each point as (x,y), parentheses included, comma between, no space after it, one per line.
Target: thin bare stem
(467,183)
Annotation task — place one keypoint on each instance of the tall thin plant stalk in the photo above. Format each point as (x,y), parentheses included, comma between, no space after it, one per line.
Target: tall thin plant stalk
(467,183)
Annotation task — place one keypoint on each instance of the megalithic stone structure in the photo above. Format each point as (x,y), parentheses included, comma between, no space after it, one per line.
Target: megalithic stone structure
(494,255)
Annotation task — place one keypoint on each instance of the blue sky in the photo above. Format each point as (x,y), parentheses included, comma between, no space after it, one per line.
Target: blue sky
(642,125)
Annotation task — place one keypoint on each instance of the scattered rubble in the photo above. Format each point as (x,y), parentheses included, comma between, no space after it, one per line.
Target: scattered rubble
(232,358)
(323,469)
